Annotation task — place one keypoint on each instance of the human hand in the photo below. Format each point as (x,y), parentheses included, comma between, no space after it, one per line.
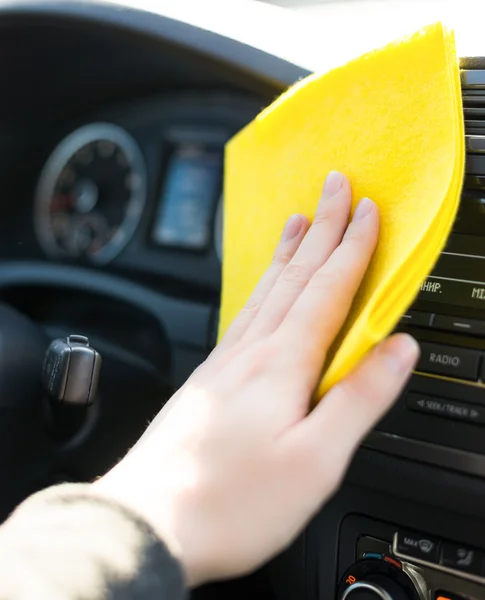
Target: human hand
(234,465)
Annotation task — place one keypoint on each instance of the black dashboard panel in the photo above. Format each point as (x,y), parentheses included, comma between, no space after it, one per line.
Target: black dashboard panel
(158,125)
(110,54)
(145,72)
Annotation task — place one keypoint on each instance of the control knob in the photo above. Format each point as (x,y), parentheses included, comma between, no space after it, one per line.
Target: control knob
(376,579)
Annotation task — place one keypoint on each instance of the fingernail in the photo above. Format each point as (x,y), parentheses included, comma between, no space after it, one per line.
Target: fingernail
(401,353)
(363,209)
(333,183)
(292,228)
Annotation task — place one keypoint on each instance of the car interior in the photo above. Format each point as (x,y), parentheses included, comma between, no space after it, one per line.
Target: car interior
(131,103)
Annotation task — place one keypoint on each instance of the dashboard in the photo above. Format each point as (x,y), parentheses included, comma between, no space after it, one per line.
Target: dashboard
(113,119)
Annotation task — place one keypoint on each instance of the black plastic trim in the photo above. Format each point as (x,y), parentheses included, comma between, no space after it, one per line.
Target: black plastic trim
(271,68)
(184,322)
(450,458)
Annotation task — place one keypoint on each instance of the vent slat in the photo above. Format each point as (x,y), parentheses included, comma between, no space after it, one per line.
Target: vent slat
(473,94)
(474,112)
(472,78)
(474,124)
(473,101)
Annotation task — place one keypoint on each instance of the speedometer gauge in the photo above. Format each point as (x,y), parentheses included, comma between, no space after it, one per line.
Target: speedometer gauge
(91,194)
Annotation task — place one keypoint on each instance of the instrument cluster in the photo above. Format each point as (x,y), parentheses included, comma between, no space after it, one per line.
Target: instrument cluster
(146,181)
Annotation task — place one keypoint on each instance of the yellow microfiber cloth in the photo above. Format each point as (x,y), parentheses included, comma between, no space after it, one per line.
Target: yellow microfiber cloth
(392,122)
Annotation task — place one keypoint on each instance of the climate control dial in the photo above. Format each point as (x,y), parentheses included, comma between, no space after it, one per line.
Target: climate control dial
(376,580)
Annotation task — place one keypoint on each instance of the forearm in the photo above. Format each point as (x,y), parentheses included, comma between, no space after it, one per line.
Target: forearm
(66,543)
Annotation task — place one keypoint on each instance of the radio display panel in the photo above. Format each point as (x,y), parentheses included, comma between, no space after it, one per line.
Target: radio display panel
(458,278)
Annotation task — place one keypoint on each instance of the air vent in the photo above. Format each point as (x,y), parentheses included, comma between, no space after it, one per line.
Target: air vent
(473,93)
(473,90)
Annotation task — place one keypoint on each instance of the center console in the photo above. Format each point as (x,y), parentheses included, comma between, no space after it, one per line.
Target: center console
(413,527)
(441,416)
(408,522)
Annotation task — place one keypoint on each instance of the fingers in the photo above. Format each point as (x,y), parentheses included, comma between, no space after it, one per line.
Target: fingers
(332,432)
(320,311)
(329,224)
(293,233)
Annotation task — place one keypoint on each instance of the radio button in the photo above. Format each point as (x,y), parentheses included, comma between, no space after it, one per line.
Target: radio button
(417,546)
(461,558)
(449,360)
(416,318)
(459,325)
(442,407)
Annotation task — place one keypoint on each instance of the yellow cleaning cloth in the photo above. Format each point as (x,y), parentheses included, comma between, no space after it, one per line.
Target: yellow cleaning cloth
(392,122)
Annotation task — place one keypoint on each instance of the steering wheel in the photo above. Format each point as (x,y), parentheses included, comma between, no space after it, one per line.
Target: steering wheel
(133,386)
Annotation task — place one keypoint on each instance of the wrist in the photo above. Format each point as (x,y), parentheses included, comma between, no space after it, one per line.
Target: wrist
(158,516)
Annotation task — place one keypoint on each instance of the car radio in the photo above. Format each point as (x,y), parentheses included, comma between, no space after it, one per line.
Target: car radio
(441,416)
